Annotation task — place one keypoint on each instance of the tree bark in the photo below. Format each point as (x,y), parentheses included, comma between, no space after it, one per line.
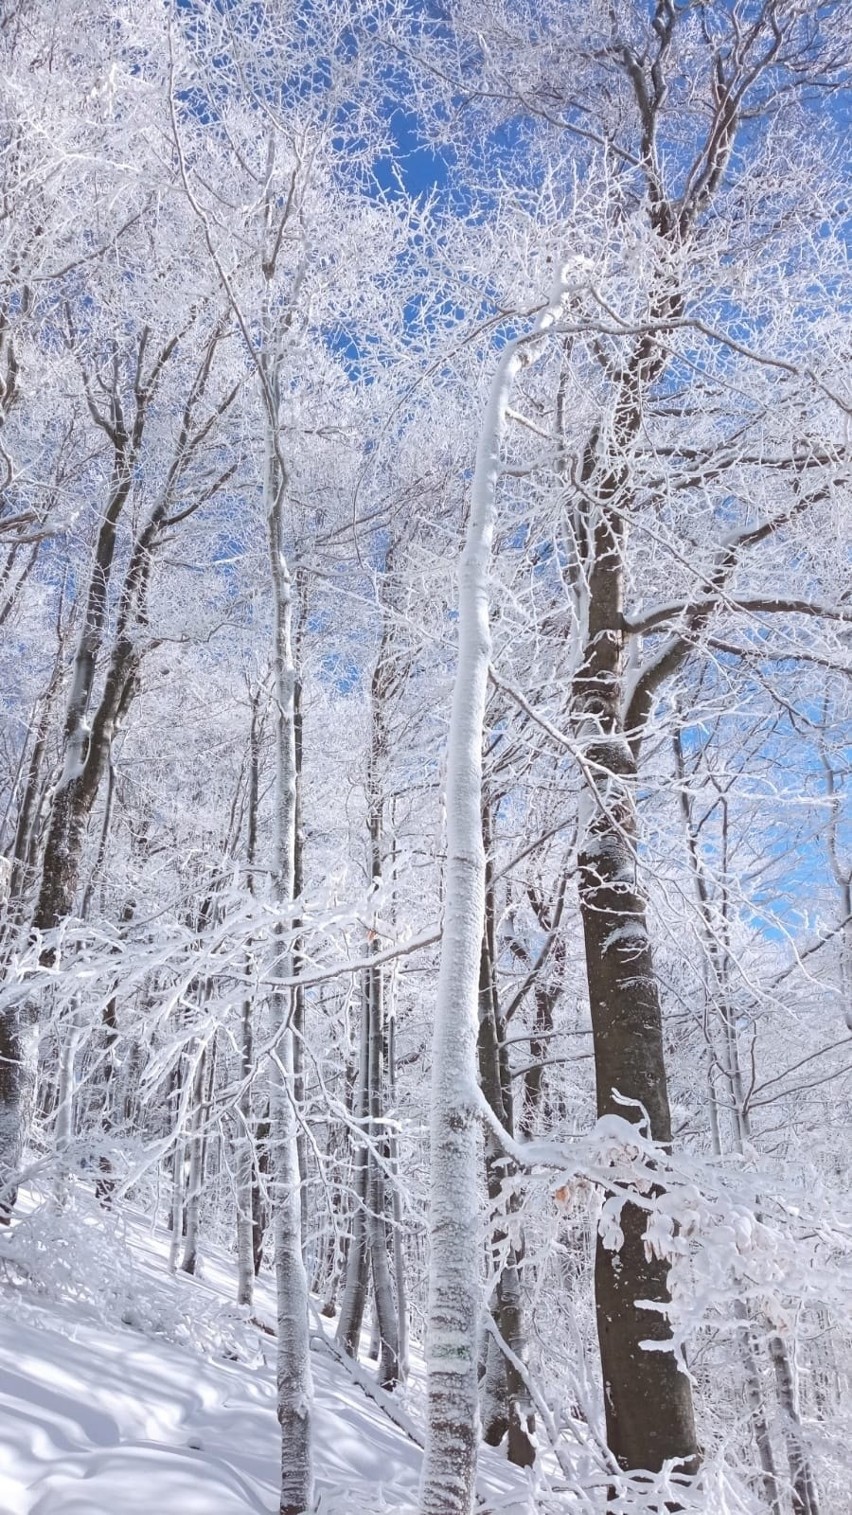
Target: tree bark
(201,1097)
(386,1315)
(506,1410)
(354,1299)
(295,1392)
(260,1171)
(647,1398)
(455,1220)
(245,1154)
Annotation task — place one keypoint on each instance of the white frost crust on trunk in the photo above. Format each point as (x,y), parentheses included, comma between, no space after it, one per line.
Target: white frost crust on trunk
(295,1391)
(63,1134)
(455,1199)
(244,1166)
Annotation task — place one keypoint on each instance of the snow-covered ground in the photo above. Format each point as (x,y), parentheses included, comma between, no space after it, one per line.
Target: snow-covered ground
(177,1415)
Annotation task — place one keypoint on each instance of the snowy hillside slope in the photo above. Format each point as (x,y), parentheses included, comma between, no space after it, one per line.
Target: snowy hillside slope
(173,1414)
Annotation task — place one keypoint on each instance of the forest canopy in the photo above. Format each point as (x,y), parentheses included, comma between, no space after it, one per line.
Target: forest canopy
(424,622)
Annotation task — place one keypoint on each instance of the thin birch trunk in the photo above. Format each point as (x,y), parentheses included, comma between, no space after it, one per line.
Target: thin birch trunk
(195,1178)
(506,1410)
(396,1202)
(65,1105)
(455,1210)
(386,1316)
(297,1009)
(354,1299)
(244,1145)
(294,1371)
(177,1212)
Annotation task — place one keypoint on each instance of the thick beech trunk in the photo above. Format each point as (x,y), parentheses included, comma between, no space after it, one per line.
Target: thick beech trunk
(647,1398)
(73,803)
(110,1111)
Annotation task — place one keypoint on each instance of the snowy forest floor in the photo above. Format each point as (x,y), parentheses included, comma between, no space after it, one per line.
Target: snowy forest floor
(124,1388)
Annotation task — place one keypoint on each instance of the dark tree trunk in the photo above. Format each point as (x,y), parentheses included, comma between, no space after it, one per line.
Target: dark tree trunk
(259,1176)
(506,1410)
(386,1316)
(647,1397)
(18,1049)
(648,1400)
(368,1246)
(25,844)
(105,1182)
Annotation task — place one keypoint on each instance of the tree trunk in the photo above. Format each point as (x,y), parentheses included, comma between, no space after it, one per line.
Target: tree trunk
(455,1221)
(245,1156)
(201,1096)
(647,1398)
(66,1123)
(176,1219)
(386,1315)
(260,1171)
(387,1319)
(105,1182)
(506,1410)
(295,1392)
(18,1053)
(297,1010)
(805,1500)
(354,1299)
(25,843)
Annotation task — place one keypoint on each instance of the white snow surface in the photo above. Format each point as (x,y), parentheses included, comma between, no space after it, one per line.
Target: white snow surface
(97,1418)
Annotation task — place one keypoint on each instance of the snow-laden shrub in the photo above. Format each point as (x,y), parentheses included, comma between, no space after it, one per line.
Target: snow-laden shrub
(71,1249)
